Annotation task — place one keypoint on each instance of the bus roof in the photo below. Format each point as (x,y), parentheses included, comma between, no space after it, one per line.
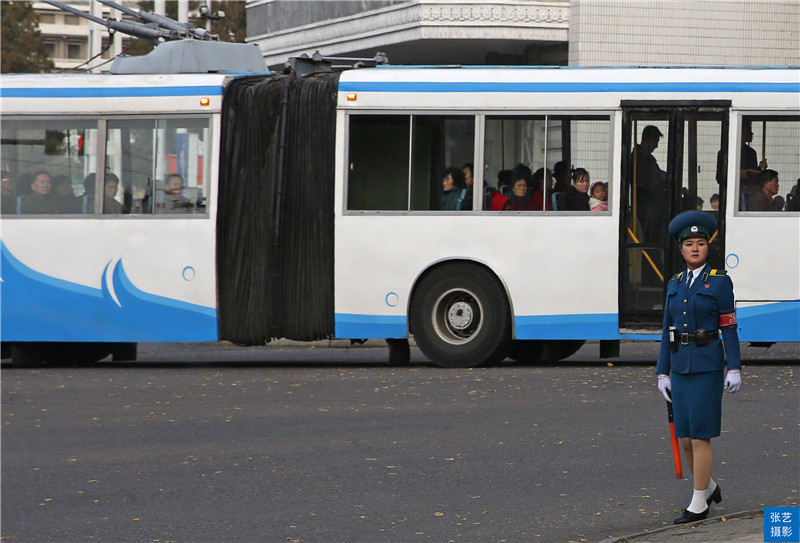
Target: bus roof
(107,93)
(604,88)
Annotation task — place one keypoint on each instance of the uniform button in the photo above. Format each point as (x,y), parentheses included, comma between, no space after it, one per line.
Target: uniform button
(684,301)
(686,326)
(684,312)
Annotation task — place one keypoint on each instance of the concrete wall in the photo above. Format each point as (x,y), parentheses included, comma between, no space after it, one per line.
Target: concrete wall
(684,33)
(266,17)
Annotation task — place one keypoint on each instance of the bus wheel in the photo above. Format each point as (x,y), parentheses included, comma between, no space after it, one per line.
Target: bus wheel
(399,351)
(26,354)
(76,353)
(460,316)
(556,350)
(526,351)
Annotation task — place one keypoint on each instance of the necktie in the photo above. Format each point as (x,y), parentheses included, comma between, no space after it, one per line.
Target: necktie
(689,282)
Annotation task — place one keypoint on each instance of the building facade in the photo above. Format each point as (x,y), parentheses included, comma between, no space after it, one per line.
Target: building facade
(513,32)
(72,41)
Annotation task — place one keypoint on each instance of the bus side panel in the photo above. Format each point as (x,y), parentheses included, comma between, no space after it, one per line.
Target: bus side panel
(767,295)
(57,286)
(567,299)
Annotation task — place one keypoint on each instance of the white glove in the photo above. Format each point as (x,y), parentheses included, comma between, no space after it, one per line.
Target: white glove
(665,386)
(733,381)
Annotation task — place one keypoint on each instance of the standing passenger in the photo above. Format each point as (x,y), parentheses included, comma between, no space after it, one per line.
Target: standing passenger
(692,359)
(651,186)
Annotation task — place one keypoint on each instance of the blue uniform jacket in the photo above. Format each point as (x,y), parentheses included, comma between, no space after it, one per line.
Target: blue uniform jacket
(707,304)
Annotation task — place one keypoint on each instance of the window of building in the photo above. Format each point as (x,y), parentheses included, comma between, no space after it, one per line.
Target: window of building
(72,20)
(47,18)
(74,51)
(769,164)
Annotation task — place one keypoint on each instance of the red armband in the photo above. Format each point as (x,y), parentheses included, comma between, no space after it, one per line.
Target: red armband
(727,320)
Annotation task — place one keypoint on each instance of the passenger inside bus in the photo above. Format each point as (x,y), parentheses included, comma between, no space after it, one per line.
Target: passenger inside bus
(543,178)
(174,200)
(66,202)
(8,194)
(465,203)
(562,174)
(764,199)
(110,188)
(598,196)
(40,201)
(793,198)
(452,185)
(650,184)
(577,195)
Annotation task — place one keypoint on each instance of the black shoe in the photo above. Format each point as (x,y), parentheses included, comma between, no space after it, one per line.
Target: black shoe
(715,496)
(687,517)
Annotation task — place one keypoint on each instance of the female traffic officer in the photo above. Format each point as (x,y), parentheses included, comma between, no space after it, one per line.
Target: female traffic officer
(691,361)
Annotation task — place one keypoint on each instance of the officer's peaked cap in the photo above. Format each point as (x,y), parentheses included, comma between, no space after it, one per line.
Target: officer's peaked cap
(692,224)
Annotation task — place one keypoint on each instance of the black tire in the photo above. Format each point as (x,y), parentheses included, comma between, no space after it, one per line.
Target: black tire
(75,353)
(555,350)
(399,351)
(526,351)
(124,352)
(27,354)
(460,316)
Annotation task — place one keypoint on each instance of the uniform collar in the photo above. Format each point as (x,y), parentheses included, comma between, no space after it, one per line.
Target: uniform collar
(697,273)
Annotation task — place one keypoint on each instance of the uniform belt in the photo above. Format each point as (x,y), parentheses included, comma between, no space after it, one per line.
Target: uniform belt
(700,337)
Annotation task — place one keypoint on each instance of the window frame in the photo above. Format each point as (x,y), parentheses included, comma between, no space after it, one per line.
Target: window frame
(735,155)
(480,116)
(101,122)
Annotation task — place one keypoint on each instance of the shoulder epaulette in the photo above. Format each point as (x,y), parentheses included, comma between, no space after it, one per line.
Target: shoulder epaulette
(677,276)
(718,273)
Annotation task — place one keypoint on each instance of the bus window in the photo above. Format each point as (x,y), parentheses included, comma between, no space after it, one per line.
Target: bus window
(552,148)
(769,164)
(510,141)
(438,143)
(577,142)
(160,165)
(44,165)
(378,173)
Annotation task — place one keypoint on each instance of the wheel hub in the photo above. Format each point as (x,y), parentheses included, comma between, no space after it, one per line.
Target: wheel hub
(460,315)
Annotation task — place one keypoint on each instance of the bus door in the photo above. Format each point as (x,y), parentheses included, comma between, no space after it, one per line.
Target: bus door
(674,158)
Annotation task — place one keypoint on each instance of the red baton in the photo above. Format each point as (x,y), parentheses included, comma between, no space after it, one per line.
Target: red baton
(676,452)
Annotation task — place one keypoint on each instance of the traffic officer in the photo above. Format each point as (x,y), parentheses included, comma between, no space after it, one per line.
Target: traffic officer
(691,363)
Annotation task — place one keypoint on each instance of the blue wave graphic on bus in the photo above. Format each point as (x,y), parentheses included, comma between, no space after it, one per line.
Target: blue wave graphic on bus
(37,307)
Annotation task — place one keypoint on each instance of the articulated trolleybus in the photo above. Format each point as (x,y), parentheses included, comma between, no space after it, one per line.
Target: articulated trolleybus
(205,207)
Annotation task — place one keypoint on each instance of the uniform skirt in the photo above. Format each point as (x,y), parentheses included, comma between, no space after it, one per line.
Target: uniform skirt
(697,404)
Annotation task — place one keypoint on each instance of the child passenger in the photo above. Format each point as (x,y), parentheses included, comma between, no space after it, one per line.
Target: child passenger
(598,194)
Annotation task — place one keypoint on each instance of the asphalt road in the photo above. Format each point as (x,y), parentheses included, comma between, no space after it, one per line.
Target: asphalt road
(294,443)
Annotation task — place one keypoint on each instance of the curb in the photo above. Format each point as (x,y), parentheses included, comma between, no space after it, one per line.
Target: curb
(713,520)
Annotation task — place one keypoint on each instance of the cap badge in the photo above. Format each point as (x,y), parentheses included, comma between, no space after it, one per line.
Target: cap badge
(694,229)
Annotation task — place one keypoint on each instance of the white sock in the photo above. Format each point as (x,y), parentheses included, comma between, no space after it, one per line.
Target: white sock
(712,486)
(698,504)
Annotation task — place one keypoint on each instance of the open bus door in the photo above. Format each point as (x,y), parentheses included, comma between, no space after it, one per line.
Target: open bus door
(672,153)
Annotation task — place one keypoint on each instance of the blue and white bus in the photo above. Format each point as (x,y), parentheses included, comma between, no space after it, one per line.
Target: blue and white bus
(311,207)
